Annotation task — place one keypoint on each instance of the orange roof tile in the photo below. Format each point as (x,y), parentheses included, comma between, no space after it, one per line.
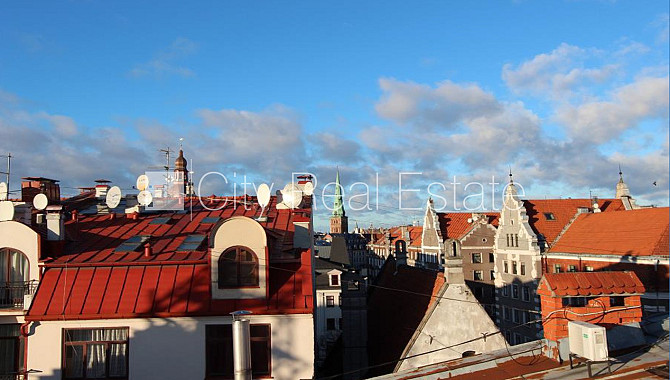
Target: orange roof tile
(563,211)
(454,225)
(642,232)
(572,284)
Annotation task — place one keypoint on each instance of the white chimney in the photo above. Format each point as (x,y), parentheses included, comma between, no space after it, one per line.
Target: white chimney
(55,225)
(241,346)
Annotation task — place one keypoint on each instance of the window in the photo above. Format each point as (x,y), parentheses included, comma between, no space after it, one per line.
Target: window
(340,324)
(334,280)
(330,301)
(522,269)
(191,243)
(505,291)
(14,278)
(508,242)
(516,316)
(506,313)
(132,243)
(238,267)
(515,291)
(572,268)
(516,240)
(95,353)
(478,275)
(526,316)
(493,275)
(505,267)
(557,268)
(514,267)
(525,293)
(11,350)
(588,269)
(330,324)
(492,257)
(549,216)
(617,301)
(219,350)
(574,301)
(476,258)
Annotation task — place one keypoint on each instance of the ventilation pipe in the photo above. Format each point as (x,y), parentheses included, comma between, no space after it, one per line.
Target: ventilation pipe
(241,345)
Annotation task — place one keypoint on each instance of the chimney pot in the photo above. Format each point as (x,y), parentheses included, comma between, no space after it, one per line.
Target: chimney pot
(75,216)
(147,250)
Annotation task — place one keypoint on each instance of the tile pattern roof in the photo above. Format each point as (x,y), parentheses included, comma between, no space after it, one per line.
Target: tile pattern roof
(454,225)
(397,303)
(589,284)
(563,211)
(88,280)
(641,232)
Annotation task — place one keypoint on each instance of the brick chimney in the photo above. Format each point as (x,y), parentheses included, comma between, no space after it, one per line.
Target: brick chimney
(31,186)
(453,266)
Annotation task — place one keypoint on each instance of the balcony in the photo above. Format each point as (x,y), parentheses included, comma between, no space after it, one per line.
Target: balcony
(12,293)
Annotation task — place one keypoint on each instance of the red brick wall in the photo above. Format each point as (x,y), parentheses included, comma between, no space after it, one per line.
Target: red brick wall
(556,324)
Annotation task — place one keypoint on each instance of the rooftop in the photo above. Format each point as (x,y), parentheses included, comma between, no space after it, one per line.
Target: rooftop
(590,284)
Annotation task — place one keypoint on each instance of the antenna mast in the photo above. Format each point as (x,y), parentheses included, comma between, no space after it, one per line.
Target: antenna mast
(167,152)
(9,167)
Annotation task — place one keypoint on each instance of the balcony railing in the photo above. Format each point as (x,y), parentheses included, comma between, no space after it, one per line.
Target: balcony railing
(12,293)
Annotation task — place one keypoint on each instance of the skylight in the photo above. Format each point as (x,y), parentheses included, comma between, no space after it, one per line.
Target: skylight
(163,220)
(210,220)
(191,243)
(549,216)
(132,244)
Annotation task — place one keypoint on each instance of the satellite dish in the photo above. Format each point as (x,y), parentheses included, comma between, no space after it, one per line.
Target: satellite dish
(40,201)
(308,189)
(3,191)
(113,197)
(6,211)
(144,198)
(291,195)
(142,182)
(263,194)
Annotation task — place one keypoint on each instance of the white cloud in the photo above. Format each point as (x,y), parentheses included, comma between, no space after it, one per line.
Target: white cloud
(557,73)
(603,120)
(165,62)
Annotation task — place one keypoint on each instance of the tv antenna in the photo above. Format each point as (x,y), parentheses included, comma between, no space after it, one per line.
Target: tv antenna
(40,202)
(9,167)
(113,197)
(263,196)
(167,152)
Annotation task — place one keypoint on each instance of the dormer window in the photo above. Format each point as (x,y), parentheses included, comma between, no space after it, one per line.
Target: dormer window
(238,268)
(334,280)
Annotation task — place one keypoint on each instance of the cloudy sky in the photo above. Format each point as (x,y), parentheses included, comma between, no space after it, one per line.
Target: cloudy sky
(560,91)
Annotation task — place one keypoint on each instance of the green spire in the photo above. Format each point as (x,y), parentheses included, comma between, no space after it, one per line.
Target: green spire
(338,205)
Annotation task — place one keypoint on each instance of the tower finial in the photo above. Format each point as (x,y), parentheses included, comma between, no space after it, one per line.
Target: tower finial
(620,173)
(511,178)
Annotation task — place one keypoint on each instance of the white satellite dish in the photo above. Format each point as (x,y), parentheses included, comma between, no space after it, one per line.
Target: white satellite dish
(6,211)
(40,201)
(113,197)
(263,194)
(291,195)
(308,189)
(3,191)
(144,198)
(142,182)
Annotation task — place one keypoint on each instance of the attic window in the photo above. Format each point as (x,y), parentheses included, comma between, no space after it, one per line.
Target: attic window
(133,243)
(210,220)
(549,216)
(191,243)
(164,220)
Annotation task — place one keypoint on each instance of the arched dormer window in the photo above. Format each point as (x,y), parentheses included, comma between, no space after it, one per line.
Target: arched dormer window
(14,267)
(238,268)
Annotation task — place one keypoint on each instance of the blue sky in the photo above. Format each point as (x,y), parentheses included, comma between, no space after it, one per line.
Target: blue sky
(562,91)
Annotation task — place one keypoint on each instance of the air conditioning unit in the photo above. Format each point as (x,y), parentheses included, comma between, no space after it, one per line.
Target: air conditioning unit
(587,340)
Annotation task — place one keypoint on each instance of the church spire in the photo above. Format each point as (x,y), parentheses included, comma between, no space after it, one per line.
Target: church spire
(338,205)
(621,186)
(510,189)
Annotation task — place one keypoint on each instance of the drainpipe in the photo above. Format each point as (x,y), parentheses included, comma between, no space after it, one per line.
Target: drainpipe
(241,345)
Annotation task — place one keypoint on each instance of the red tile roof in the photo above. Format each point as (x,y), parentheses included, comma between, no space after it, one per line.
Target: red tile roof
(88,280)
(454,225)
(589,284)
(563,211)
(641,232)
